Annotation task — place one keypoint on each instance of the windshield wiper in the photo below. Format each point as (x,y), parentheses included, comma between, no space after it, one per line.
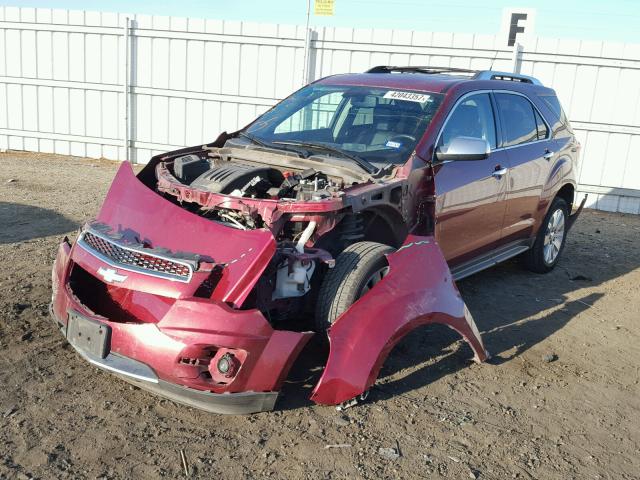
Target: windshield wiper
(364,164)
(253,139)
(264,144)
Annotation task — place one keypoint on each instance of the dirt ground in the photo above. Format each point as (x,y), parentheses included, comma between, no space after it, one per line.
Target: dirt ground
(559,400)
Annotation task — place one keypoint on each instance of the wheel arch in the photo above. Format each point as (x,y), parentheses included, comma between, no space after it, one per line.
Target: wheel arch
(384,224)
(362,337)
(556,187)
(567,193)
(560,180)
(467,331)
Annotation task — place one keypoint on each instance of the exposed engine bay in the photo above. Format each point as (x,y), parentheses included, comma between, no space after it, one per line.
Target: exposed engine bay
(216,184)
(245,180)
(289,276)
(301,201)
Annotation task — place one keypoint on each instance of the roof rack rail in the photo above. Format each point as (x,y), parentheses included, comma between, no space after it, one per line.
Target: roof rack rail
(418,69)
(477,74)
(508,76)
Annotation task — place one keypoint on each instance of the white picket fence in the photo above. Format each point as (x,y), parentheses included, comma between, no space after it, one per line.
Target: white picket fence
(128,86)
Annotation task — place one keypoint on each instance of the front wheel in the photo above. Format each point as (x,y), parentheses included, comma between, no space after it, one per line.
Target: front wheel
(546,250)
(358,268)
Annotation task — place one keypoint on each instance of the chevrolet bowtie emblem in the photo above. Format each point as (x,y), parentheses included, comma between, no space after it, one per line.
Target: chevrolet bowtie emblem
(111,275)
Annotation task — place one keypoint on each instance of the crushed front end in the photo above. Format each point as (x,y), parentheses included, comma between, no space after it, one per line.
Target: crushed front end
(158,295)
(198,278)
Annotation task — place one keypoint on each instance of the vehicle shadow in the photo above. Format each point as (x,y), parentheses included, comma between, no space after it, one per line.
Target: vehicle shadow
(304,375)
(514,310)
(508,339)
(26,222)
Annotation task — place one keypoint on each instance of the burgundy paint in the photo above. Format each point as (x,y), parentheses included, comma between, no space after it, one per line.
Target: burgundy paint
(184,322)
(193,323)
(171,325)
(418,290)
(131,205)
(176,326)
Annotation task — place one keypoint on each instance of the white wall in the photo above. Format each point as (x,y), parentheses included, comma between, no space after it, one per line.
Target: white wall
(62,83)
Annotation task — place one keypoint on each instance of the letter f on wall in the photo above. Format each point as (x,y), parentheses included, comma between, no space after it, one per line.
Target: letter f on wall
(514,29)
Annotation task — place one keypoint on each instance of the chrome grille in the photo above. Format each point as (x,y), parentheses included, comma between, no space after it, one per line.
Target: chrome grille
(135,260)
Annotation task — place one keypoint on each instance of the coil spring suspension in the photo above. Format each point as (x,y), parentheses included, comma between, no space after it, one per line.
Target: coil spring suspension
(351,229)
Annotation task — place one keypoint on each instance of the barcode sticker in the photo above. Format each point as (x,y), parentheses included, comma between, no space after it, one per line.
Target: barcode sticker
(407,96)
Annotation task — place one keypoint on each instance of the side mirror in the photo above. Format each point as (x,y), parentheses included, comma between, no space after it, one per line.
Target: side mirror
(464,148)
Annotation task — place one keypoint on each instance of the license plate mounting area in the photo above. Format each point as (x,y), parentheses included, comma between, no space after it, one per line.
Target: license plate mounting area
(90,336)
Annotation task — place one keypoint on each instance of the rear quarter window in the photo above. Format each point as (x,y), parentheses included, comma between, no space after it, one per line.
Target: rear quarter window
(554,105)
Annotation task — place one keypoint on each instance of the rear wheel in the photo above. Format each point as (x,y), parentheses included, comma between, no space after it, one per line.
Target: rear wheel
(358,269)
(550,240)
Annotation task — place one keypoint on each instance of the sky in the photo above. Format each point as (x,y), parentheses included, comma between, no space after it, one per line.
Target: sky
(614,20)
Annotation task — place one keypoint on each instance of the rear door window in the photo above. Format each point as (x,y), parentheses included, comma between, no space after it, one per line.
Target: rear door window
(518,119)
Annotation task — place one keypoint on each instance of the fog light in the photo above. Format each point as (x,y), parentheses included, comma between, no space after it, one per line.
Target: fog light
(227,365)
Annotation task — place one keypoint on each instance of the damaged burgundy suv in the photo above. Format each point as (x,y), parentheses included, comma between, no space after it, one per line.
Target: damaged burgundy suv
(348,210)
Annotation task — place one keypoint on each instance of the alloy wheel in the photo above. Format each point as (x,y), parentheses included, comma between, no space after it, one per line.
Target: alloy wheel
(553,236)
(373,279)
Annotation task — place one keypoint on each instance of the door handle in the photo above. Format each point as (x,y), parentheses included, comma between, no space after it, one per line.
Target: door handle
(499,173)
(548,155)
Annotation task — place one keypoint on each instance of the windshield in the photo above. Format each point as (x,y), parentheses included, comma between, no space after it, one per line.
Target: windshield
(379,125)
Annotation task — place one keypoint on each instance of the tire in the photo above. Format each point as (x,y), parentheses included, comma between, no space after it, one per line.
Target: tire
(538,259)
(357,269)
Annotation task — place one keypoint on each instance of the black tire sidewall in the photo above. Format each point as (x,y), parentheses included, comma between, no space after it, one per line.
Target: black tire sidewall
(367,271)
(343,285)
(537,262)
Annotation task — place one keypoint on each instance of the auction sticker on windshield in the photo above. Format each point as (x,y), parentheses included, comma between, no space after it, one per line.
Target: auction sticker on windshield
(407,96)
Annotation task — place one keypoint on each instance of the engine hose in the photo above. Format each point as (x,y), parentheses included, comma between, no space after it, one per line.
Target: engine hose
(306,235)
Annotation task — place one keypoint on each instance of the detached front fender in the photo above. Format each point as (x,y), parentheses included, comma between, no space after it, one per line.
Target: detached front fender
(418,290)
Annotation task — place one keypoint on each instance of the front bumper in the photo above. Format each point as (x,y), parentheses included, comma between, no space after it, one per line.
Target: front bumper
(143,376)
(152,355)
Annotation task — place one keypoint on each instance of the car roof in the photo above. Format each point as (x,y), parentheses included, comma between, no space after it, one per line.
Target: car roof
(411,81)
(436,80)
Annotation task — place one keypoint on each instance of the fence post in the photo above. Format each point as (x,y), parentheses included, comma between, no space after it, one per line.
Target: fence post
(125,91)
(307,56)
(516,59)
(307,45)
